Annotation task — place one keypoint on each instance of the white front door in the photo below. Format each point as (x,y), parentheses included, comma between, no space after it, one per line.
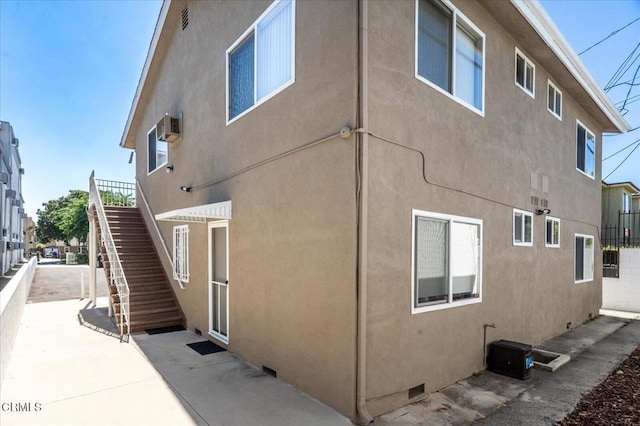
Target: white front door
(219,280)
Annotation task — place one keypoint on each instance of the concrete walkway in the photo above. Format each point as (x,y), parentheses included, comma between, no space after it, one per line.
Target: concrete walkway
(64,373)
(595,348)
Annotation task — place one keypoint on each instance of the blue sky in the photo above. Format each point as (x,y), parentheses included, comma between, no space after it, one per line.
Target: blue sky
(69,70)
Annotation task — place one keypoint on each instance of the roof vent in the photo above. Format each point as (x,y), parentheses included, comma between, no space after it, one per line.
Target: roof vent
(185,18)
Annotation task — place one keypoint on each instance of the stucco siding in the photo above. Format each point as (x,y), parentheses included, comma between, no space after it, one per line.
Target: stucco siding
(479,167)
(292,237)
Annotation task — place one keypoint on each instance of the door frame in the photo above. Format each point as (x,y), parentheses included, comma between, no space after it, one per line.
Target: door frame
(211,283)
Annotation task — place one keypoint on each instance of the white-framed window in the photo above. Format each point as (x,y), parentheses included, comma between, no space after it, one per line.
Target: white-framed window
(446,263)
(525,74)
(585,150)
(552,232)
(554,100)
(450,53)
(584,245)
(157,152)
(522,228)
(181,253)
(261,63)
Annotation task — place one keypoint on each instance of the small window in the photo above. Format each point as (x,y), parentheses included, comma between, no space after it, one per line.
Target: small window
(554,100)
(585,151)
(157,152)
(522,228)
(525,74)
(447,261)
(552,232)
(583,258)
(181,253)
(260,63)
(450,52)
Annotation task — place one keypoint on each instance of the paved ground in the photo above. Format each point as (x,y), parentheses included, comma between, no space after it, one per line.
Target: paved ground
(54,281)
(62,373)
(596,348)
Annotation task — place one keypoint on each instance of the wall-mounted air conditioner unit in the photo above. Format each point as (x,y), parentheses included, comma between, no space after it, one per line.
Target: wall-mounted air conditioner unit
(168,129)
(20,210)
(4,178)
(10,193)
(15,203)
(21,171)
(16,142)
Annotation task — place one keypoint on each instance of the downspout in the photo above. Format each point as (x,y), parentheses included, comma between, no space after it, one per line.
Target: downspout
(362,141)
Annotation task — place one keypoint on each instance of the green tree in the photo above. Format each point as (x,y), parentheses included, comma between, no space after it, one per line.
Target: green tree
(64,218)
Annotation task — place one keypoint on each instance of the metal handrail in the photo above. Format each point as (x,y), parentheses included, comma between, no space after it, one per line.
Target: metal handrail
(116,272)
(155,226)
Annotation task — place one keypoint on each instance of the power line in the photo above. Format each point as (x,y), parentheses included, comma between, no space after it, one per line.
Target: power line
(617,75)
(630,87)
(622,162)
(609,36)
(626,147)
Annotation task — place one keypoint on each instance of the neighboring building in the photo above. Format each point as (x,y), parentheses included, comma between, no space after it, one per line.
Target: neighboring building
(30,239)
(619,197)
(362,265)
(11,201)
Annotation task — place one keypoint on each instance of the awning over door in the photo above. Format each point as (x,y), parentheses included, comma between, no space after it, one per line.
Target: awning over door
(203,213)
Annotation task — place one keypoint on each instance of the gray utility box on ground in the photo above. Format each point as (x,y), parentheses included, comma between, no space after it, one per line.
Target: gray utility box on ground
(511,359)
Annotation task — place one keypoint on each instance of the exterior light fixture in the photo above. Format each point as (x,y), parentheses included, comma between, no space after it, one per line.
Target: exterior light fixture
(169,169)
(543,211)
(185,188)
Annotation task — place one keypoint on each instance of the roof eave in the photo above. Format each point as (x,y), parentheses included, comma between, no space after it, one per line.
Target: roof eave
(540,21)
(127,140)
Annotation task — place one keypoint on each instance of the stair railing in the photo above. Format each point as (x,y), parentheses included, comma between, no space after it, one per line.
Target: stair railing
(116,272)
(155,227)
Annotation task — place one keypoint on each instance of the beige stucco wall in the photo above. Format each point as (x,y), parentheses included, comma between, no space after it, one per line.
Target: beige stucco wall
(528,292)
(293,232)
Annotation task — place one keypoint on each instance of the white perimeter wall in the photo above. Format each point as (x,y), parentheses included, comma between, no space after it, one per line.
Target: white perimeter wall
(12,300)
(623,294)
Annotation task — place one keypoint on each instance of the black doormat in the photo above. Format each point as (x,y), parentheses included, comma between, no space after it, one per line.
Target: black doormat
(205,347)
(162,330)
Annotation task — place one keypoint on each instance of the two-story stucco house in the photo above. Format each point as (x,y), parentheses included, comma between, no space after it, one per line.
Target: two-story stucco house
(350,190)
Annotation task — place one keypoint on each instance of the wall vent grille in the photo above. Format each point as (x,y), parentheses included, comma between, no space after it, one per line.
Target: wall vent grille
(185,18)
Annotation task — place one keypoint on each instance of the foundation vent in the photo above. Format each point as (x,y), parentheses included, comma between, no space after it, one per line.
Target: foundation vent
(416,391)
(197,331)
(185,18)
(270,371)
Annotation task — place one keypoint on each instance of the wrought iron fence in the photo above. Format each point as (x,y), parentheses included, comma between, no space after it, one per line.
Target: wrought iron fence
(624,234)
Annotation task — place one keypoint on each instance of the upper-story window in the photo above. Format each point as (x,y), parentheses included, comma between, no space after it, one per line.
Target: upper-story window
(554,100)
(157,152)
(260,63)
(585,151)
(450,52)
(525,74)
